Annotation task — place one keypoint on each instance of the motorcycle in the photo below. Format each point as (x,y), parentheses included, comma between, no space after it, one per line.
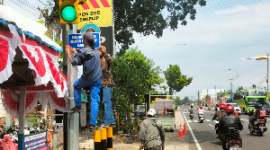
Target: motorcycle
(209,108)
(231,137)
(201,118)
(7,143)
(191,116)
(258,127)
(232,140)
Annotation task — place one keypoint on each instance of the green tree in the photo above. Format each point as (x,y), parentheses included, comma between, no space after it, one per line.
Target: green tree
(186,100)
(177,101)
(148,17)
(134,76)
(207,98)
(240,88)
(175,79)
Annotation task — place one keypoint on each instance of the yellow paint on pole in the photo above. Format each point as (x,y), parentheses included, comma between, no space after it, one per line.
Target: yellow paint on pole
(97,137)
(110,132)
(103,134)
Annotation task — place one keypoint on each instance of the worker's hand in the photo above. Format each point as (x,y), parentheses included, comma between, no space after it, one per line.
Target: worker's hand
(163,147)
(67,48)
(73,50)
(141,146)
(102,49)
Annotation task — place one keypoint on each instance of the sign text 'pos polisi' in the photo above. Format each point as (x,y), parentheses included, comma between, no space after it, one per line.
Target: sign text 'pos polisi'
(97,12)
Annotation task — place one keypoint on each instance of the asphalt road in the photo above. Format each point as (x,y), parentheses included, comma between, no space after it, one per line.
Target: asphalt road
(205,133)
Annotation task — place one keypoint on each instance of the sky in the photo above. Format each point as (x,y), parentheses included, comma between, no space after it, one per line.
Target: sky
(206,48)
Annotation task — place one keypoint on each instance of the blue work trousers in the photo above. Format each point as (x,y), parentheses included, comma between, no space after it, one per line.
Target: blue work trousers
(94,95)
(106,94)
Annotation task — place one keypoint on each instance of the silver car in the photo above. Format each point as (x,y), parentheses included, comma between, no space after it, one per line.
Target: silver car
(236,107)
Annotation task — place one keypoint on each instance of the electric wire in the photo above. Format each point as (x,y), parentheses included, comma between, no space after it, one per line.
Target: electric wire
(30,12)
(27,4)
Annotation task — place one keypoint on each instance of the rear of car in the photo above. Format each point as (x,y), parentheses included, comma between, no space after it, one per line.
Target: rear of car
(236,107)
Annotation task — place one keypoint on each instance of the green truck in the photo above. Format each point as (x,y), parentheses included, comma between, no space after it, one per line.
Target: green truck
(246,99)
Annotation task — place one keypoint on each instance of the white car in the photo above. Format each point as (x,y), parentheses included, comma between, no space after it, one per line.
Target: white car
(236,107)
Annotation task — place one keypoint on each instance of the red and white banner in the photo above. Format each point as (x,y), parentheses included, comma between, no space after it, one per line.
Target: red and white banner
(43,94)
(42,60)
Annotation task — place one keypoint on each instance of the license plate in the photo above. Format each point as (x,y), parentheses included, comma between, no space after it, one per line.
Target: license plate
(235,148)
(231,128)
(261,127)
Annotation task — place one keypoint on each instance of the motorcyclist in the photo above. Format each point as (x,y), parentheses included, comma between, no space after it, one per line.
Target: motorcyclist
(230,121)
(255,114)
(191,109)
(218,115)
(200,111)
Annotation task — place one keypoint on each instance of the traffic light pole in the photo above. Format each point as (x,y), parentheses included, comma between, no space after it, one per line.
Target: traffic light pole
(71,120)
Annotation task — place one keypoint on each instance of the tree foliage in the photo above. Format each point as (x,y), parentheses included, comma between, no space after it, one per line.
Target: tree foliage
(134,76)
(178,101)
(207,98)
(148,17)
(175,79)
(240,88)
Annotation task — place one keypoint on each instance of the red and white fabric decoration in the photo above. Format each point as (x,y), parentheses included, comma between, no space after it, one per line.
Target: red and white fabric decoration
(33,94)
(44,63)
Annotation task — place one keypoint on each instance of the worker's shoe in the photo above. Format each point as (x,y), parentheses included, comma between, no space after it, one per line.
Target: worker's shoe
(93,128)
(112,125)
(77,109)
(104,126)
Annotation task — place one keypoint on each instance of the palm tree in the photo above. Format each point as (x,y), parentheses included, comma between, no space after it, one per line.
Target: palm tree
(207,98)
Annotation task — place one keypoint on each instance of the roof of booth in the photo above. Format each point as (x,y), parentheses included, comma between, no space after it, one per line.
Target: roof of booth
(27,26)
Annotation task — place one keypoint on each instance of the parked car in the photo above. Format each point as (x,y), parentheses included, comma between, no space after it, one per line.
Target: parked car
(236,107)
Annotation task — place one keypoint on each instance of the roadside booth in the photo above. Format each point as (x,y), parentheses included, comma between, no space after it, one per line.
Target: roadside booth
(29,71)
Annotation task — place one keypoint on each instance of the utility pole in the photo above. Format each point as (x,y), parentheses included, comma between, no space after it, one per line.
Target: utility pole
(231,86)
(215,92)
(267,76)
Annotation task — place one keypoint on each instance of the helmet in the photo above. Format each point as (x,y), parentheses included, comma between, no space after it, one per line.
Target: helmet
(222,105)
(151,112)
(230,109)
(257,105)
(192,104)
(201,107)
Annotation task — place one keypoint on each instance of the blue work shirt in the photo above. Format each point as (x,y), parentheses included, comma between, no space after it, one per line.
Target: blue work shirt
(90,59)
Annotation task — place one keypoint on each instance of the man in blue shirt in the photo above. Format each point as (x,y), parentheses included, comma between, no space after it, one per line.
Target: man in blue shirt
(91,77)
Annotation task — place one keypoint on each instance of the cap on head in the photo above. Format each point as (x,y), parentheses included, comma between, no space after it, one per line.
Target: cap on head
(151,112)
(88,36)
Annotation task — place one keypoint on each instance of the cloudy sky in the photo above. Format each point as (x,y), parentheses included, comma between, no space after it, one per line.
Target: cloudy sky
(223,32)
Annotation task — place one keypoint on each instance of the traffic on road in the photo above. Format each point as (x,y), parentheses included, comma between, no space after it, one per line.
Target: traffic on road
(203,134)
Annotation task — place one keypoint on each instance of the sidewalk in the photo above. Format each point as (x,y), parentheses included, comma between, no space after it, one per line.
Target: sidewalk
(172,142)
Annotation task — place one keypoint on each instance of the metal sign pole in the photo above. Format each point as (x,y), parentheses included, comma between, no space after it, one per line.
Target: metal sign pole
(73,117)
(22,100)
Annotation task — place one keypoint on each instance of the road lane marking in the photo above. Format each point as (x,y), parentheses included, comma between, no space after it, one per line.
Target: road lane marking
(195,120)
(216,121)
(211,125)
(189,121)
(194,138)
(207,120)
(185,112)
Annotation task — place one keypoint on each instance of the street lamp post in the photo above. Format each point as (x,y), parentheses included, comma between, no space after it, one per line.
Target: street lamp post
(267,76)
(263,58)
